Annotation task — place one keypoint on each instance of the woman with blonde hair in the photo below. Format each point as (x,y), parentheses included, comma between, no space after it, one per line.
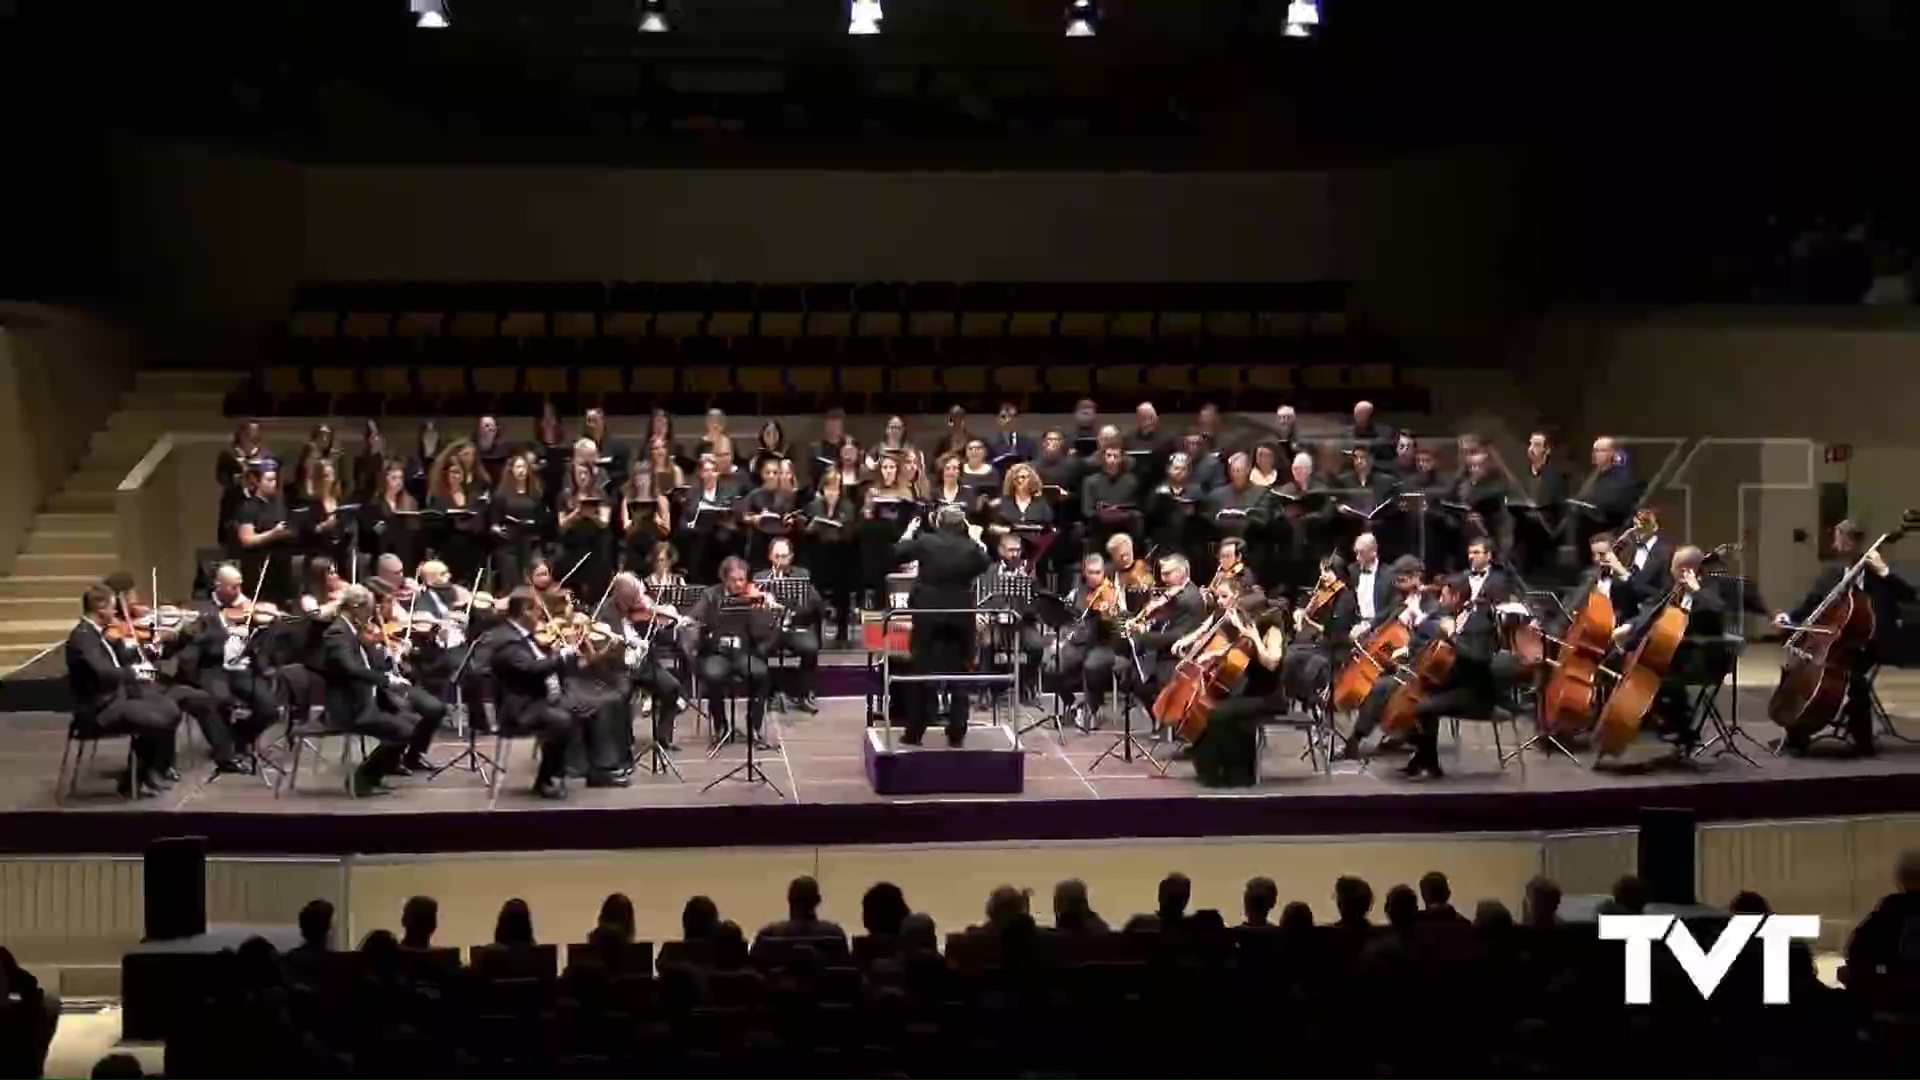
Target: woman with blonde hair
(1020,504)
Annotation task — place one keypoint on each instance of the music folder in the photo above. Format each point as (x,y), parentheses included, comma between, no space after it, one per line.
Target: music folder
(1085,445)
(1030,527)
(1365,515)
(1053,491)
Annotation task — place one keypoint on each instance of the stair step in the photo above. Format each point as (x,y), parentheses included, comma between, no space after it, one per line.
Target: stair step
(94,480)
(168,400)
(86,523)
(38,632)
(12,656)
(81,502)
(85,565)
(40,607)
(46,542)
(67,585)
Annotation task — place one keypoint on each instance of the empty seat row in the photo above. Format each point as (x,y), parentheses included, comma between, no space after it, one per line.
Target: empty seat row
(785,389)
(886,309)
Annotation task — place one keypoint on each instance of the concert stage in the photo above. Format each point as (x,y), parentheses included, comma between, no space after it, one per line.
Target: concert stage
(829,799)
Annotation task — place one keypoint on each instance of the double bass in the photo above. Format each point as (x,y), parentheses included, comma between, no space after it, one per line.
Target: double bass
(1646,667)
(1210,670)
(1567,701)
(1813,676)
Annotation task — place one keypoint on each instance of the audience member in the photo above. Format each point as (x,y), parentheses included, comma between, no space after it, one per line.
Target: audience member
(803,915)
(1353,899)
(1072,910)
(699,919)
(419,921)
(616,914)
(882,909)
(1175,893)
(1259,900)
(1436,893)
(1884,938)
(1629,897)
(1542,906)
(514,927)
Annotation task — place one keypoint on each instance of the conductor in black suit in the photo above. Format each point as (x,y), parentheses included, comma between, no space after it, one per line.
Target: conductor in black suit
(949,558)
(531,700)
(365,693)
(114,694)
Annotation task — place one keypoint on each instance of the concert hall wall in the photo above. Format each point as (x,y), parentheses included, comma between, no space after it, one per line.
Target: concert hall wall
(61,373)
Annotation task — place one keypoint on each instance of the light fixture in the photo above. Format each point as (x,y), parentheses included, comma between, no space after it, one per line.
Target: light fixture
(653,16)
(1082,19)
(429,14)
(863,17)
(1303,16)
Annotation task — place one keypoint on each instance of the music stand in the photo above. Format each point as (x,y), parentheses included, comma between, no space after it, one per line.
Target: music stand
(1054,614)
(732,621)
(681,598)
(476,760)
(1727,729)
(1010,597)
(658,759)
(791,592)
(1127,744)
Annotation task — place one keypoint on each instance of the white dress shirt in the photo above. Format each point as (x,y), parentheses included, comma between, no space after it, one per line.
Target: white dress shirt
(1363,580)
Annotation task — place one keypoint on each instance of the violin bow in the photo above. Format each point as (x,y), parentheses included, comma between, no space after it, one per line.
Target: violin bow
(576,566)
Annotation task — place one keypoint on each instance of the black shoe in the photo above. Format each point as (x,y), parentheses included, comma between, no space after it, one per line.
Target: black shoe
(761,745)
(131,789)
(912,738)
(418,763)
(956,740)
(670,747)
(807,704)
(233,767)
(159,780)
(367,787)
(610,780)
(554,788)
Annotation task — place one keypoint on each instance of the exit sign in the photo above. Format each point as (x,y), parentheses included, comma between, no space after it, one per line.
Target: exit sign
(1839,453)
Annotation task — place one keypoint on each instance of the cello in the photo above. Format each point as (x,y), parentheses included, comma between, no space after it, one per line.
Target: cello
(1370,658)
(1210,670)
(1646,667)
(1813,676)
(1567,701)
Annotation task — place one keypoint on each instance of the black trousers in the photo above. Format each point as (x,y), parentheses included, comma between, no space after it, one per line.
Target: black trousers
(1305,672)
(392,728)
(653,679)
(231,690)
(804,645)
(606,742)
(1225,753)
(149,720)
(1087,669)
(1859,707)
(207,715)
(1374,706)
(556,724)
(1461,700)
(942,645)
(722,674)
(428,711)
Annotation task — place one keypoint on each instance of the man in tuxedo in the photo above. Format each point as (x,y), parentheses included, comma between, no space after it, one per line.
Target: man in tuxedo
(1183,613)
(1650,558)
(1702,655)
(1481,580)
(1413,607)
(1018,627)
(365,692)
(799,631)
(733,628)
(1316,650)
(530,695)
(1885,591)
(114,694)
(826,452)
(1609,577)
(1472,687)
(226,663)
(1086,660)
(950,556)
(1372,585)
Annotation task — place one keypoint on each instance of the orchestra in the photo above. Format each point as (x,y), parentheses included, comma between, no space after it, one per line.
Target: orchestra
(1314,556)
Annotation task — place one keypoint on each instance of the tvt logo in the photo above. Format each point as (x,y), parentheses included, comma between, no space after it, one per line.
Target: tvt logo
(1707,968)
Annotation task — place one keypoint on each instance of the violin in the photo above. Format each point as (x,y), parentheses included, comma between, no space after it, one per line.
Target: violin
(1138,577)
(244,612)
(1151,609)
(1322,596)
(1104,600)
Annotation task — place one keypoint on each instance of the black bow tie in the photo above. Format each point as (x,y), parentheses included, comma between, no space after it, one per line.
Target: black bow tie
(1477,575)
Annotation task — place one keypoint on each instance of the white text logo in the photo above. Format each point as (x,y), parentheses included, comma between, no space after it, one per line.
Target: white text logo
(1707,968)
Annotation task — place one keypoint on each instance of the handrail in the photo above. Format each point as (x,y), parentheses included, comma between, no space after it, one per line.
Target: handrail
(142,471)
(888,678)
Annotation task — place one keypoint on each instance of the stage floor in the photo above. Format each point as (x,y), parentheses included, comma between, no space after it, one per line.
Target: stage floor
(819,769)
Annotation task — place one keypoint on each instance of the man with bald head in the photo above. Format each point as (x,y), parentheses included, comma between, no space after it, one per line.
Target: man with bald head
(1609,496)
(225,662)
(1148,446)
(1378,438)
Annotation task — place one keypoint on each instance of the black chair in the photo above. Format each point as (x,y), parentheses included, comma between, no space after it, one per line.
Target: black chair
(88,740)
(632,958)
(510,962)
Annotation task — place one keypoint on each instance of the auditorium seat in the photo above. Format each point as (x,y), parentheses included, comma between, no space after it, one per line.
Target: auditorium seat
(388,389)
(1034,310)
(862,388)
(877,310)
(630,310)
(829,309)
(983,310)
(496,387)
(654,382)
(551,384)
(783,311)
(966,386)
(933,309)
(681,309)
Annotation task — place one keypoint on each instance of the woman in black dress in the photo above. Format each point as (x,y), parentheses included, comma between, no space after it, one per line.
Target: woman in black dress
(1021,509)
(772,447)
(458,528)
(515,516)
(831,551)
(324,531)
(1225,754)
(390,517)
(646,506)
(585,526)
(977,473)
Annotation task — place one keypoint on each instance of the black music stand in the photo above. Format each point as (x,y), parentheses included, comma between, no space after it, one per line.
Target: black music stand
(1127,745)
(1010,596)
(658,759)
(681,598)
(732,621)
(791,592)
(1055,615)
(1726,727)
(474,759)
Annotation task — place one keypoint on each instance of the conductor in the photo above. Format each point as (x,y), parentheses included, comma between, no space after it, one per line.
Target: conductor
(949,556)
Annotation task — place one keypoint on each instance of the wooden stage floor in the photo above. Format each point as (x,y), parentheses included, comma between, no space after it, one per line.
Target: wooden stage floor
(819,768)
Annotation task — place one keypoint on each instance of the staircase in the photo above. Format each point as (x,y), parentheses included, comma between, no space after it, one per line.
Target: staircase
(72,542)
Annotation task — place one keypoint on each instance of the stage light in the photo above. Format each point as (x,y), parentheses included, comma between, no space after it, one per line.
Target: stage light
(863,17)
(429,14)
(1082,19)
(1303,16)
(653,16)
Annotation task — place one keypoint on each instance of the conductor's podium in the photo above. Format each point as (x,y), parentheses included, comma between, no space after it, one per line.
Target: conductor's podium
(989,764)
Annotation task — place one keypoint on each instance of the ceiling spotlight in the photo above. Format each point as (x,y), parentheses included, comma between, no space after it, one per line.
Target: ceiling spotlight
(1302,17)
(429,14)
(863,17)
(1082,19)
(653,16)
